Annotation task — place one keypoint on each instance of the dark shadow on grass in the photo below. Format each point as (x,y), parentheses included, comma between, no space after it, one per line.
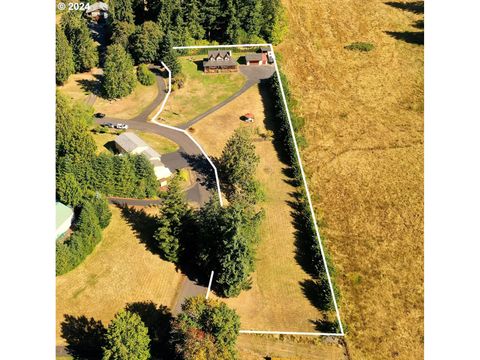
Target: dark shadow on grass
(411,37)
(416,7)
(92,86)
(326,326)
(157,319)
(84,337)
(143,224)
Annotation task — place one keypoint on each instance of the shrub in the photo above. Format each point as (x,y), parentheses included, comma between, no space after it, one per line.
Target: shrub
(144,75)
(360,46)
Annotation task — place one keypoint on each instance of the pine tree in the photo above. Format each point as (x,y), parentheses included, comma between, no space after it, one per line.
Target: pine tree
(121,10)
(121,33)
(232,23)
(69,191)
(238,162)
(126,338)
(145,42)
(64,58)
(103,179)
(172,222)
(168,55)
(124,176)
(194,19)
(252,18)
(85,53)
(119,74)
(146,183)
(212,14)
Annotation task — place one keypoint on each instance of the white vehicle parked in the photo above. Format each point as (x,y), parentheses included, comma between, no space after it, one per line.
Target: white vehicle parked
(121,126)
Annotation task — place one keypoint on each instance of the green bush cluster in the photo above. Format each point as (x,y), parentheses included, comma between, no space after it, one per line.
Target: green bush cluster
(87,233)
(308,238)
(144,75)
(360,46)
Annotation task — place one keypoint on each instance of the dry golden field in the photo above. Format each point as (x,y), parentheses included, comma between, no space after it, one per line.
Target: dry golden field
(119,271)
(364,126)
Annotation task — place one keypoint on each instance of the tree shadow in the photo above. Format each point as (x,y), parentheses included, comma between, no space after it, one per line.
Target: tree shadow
(416,7)
(84,337)
(143,225)
(325,326)
(411,37)
(201,166)
(92,86)
(158,321)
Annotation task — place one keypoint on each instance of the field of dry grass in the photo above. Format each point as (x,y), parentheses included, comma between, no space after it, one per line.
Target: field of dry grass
(80,86)
(364,127)
(200,93)
(119,271)
(278,278)
(255,347)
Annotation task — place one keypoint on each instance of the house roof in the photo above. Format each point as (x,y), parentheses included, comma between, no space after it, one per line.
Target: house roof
(63,213)
(97,6)
(253,57)
(222,53)
(129,141)
(151,154)
(223,63)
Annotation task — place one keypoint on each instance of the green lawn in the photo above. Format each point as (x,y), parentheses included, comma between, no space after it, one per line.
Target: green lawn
(200,92)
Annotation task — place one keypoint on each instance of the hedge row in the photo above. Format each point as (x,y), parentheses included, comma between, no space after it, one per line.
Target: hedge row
(94,216)
(309,248)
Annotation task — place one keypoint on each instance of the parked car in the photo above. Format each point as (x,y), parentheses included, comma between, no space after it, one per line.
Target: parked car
(121,126)
(100,115)
(108,124)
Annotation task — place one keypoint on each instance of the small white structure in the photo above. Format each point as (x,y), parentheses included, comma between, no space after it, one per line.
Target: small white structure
(64,217)
(268,52)
(129,143)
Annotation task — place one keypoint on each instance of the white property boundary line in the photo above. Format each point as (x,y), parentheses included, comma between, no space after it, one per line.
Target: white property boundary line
(284,98)
(154,120)
(209,285)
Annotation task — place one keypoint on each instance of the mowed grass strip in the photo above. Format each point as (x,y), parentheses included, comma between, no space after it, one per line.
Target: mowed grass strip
(119,271)
(276,300)
(364,126)
(80,86)
(200,92)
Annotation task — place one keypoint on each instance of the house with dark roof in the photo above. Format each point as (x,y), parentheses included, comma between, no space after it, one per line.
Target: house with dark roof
(130,143)
(220,61)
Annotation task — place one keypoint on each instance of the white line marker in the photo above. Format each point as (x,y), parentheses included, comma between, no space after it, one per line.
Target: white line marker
(289,333)
(154,120)
(209,285)
(304,182)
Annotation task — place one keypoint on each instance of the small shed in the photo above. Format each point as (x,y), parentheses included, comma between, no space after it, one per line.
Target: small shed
(256,59)
(64,217)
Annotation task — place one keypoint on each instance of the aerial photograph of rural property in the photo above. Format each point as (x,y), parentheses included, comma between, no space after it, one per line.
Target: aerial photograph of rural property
(239,179)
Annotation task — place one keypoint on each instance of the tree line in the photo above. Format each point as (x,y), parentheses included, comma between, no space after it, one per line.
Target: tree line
(308,242)
(83,179)
(222,239)
(205,329)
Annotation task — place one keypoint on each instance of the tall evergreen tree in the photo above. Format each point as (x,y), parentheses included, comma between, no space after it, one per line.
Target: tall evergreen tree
(64,58)
(252,17)
(69,191)
(121,33)
(85,53)
(231,22)
(145,42)
(146,184)
(124,176)
(172,222)
(212,13)
(238,162)
(168,56)
(126,338)
(121,10)
(194,19)
(119,74)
